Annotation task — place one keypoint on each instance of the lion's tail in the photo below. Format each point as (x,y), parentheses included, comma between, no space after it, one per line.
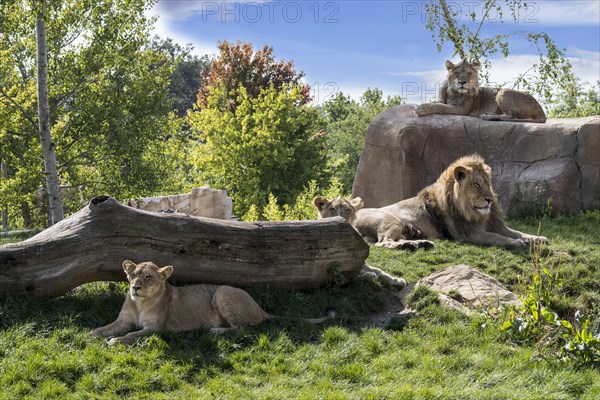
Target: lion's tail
(330,313)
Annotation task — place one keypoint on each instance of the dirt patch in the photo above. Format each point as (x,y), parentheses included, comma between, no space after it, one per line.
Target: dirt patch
(394,304)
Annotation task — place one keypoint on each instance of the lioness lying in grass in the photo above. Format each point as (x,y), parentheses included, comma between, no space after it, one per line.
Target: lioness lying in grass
(153,305)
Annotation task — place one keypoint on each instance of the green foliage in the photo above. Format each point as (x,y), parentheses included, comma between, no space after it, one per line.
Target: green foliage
(271,212)
(553,69)
(301,209)
(267,144)
(347,121)
(583,343)
(185,80)
(575,102)
(534,322)
(110,111)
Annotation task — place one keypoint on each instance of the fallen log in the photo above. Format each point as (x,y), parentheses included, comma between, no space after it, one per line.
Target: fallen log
(91,245)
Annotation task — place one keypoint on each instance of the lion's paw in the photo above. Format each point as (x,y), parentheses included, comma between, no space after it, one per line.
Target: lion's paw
(410,245)
(425,244)
(115,341)
(423,109)
(489,117)
(518,243)
(537,239)
(398,283)
(369,275)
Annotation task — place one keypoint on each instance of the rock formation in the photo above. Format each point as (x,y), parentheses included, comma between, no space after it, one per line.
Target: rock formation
(534,165)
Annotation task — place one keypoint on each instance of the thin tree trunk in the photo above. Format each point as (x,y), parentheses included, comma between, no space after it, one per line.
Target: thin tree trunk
(4,169)
(91,245)
(48,146)
(26,214)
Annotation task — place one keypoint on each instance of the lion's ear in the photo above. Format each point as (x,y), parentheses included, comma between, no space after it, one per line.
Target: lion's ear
(165,272)
(128,266)
(357,203)
(460,173)
(320,202)
(449,65)
(487,169)
(476,65)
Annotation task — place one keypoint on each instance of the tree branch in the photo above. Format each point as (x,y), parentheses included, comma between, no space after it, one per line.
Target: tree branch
(14,103)
(451,32)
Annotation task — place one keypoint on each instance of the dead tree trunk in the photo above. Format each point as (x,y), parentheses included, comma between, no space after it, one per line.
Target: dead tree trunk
(91,245)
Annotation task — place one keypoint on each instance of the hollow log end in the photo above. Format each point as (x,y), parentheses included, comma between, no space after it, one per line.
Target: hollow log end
(99,199)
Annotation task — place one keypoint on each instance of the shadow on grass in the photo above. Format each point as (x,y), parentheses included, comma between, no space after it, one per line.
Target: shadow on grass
(97,304)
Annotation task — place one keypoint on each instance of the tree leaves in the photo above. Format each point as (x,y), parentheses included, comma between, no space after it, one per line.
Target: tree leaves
(267,144)
(109,104)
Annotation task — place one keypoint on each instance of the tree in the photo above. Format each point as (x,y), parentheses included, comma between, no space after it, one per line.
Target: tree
(580,102)
(110,114)
(185,80)
(270,144)
(468,39)
(346,125)
(52,186)
(238,64)
(258,134)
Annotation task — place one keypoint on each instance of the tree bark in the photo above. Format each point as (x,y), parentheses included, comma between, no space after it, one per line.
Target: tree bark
(4,212)
(92,243)
(48,146)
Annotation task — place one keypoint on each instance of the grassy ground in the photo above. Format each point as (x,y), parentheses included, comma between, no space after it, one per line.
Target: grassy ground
(46,350)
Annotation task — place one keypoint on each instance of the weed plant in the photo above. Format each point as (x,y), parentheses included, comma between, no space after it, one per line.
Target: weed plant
(46,351)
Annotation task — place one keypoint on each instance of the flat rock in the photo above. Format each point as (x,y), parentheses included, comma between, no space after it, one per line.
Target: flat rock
(475,288)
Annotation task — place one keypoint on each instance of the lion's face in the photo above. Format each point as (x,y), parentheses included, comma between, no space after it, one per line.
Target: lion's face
(472,191)
(338,207)
(464,76)
(145,279)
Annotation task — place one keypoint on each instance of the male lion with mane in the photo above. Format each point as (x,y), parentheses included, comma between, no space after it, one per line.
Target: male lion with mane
(461,205)
(153,305)
(461,95)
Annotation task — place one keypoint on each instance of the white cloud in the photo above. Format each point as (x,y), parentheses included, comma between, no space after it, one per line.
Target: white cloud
(169,14)
(572,12)
(223,10)
(544,12)
(178,10)
(586,66)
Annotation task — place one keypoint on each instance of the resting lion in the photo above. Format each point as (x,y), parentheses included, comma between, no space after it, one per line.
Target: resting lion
(153,305)
(387,232)
(461,205)
(461,95)
(348,209)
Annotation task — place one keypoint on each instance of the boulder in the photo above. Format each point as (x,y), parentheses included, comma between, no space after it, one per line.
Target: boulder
(475,289)
(534,165)
(201,202)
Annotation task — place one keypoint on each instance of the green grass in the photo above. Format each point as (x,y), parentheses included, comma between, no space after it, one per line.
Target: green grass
(46,350)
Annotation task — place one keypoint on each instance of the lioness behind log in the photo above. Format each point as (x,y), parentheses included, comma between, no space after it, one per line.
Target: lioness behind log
(347,209)
(153,305)
(461,95)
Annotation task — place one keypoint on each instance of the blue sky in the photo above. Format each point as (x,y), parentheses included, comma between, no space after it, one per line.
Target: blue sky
(352,45)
